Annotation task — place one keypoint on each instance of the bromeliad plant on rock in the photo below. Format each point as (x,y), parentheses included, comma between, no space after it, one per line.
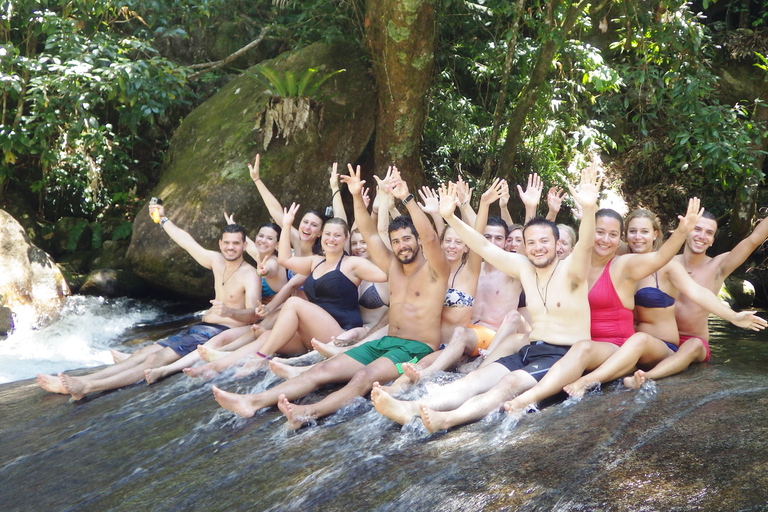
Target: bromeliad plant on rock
(292,101)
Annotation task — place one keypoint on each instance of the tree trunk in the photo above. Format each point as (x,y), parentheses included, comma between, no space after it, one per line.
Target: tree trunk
(530,92)
(401,36)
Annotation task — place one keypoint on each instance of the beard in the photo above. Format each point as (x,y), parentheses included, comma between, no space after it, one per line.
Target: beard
(547,263)
(406,259)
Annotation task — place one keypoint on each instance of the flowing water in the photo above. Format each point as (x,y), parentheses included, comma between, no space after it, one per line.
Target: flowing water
(697,441)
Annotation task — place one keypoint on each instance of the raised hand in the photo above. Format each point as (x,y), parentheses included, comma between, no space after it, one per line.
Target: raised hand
(448,199)
(261,265)
(749,320)
(589,187)
(289,214)
(431,201)
(366,197)
(504,199)
(532,194)
(334,177)
(555,198)
(229,218)
(494,192)
(692,216)
(398,187)
(254,169)
(463,192)
(353,181)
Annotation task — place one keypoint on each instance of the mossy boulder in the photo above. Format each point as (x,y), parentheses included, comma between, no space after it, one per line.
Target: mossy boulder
(206,170)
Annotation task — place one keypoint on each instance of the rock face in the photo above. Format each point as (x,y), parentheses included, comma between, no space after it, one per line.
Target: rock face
(206,172)
(30,282)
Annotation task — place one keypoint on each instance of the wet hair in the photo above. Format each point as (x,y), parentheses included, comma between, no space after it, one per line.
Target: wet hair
(340,222)
(233,228)
(498,221)
(565,228)
(613,214)
(402,222)
(641,213)
(541,221)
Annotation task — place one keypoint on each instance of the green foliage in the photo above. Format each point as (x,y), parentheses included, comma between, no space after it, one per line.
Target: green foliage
(123,231)
(286,86)
(670,90)
(79,95)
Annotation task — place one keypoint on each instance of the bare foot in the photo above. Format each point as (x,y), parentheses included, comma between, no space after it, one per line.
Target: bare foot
(238,404)
(292,412)
(210,354)
(204,372)
(433,420)
(579,387)
(399,411)
(286,371)
(632,382)
(118,356)
(152,375)
(514,409)
(74,386)
(412,371)
(325,349)
(51,383)
(251,367)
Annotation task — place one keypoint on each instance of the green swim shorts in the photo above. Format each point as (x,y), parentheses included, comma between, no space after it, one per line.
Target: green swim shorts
(395,349)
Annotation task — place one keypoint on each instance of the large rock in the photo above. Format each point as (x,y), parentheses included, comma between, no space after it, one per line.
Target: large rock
(206,171)
(30,282)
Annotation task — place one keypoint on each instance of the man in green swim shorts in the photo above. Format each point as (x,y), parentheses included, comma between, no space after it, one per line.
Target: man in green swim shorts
(418,277)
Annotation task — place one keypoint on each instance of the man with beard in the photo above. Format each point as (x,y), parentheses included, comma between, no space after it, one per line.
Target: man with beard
(556,292)
(418,278)
(238,291)
(692,319)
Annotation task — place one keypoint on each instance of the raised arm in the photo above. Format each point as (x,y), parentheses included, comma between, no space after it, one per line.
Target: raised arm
(336,202)
(531,196)
(274,207)
(587,195)
(481,220)
(707,300)
(554,202)
(430,243)
(507,262)
(503,202)
(464,197)
(183,239)
(431,205)
(642,265)
(379,252)
(743,249)
(299,264)
(384,206)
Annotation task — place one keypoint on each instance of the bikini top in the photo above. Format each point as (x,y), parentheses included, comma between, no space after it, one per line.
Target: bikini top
(455,298)
(266,290)
(649,297)
(370,299)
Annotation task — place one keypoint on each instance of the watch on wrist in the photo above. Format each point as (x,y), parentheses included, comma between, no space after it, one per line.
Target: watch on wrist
(408,198)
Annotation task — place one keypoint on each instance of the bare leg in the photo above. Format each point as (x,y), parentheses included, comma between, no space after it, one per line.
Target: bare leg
(118,356)
(303,318)
(639,348)
(480,405)
(361,383)
(584,355)
(338,369)
(152,375)
(692,351)
(448,397)
(210,355)
(286,371)
(78,387)
(214,367)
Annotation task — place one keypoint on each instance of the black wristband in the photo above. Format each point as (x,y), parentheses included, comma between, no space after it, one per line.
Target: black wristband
(408,198)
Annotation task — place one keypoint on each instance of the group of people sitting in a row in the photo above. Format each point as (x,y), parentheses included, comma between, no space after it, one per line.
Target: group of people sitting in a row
(391,301)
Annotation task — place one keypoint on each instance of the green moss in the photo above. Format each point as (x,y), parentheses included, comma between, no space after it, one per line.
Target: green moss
(402,57)
(422,61)
(397,34)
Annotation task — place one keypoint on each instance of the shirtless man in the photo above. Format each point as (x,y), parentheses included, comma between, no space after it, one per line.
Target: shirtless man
(237,288)
(557,300)
(692,320)
(496,291)
(418,278)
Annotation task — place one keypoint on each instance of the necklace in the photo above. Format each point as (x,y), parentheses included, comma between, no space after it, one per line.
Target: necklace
(546,288)
(233,273)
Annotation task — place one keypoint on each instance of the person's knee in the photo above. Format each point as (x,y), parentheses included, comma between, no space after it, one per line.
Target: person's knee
(363,380)
(581,349)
